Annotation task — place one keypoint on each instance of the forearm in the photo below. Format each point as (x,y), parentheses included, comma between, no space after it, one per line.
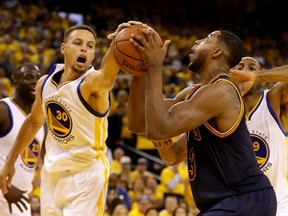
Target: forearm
(278,74)
(25,136)
(136,105)
(109,68)
(155,109)
(169,155)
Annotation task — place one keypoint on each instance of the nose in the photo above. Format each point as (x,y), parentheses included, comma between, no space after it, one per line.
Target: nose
(84,48)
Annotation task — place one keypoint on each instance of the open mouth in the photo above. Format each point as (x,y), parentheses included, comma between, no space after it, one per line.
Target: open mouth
(81,59)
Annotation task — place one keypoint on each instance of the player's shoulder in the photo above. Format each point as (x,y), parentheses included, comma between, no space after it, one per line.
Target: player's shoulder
(4,109)
(55,67)
(3,104)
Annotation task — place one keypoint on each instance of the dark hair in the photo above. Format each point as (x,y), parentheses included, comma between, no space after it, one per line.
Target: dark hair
(234,46)
(78,27)
(116,201)
(17,72)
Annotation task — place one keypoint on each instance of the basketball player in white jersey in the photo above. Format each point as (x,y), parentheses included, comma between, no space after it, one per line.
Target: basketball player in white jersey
(74,100)
(13,113)
(266,115)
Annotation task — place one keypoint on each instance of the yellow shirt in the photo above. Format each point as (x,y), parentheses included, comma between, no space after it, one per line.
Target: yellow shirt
(115,167)
(167,175)
(136,174)
(164,212)
(135,212)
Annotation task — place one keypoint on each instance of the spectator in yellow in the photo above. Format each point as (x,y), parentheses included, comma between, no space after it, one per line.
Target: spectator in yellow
(143,204)
(188,197)
(141,170)
(156,195)
(125,176)
(171,202)
(172,180)
(136,191)
(115,165)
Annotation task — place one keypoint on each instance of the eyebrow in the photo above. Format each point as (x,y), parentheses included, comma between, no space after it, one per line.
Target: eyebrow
(83,40)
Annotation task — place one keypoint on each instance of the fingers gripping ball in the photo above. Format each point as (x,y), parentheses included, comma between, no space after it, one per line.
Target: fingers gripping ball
(128,58)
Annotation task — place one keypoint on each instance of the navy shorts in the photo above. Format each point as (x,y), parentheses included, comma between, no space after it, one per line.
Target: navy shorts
(256,203)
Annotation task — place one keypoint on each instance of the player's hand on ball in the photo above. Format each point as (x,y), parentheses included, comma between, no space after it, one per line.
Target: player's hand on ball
(113,35)
(152,52)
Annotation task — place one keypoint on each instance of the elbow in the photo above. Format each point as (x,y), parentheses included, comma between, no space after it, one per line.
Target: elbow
(137,131)
(155,135)
(137,128)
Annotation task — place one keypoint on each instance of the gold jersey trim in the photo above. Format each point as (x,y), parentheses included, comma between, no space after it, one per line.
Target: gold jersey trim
(236,124)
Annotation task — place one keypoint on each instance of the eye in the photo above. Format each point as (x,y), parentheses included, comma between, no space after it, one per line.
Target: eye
(252,69)
(239,67)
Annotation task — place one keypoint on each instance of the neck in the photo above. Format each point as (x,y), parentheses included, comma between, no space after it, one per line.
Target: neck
(23,104)
(70,75)
(209,75)
(250,100)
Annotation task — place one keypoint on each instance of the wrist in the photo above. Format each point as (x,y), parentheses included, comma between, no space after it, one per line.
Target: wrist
(258,78)
(155,68)
(11,159)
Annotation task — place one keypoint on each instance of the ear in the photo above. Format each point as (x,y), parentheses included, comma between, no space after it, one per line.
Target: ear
(62,48)
(217,52)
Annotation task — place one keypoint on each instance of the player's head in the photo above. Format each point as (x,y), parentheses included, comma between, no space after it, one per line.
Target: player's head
(248,64)
(25,78)
(78,47)
(218,45)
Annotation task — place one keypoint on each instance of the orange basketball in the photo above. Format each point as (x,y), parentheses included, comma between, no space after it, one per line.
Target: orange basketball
(128,58)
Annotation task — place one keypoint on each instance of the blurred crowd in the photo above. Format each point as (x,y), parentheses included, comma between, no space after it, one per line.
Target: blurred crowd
(32,32)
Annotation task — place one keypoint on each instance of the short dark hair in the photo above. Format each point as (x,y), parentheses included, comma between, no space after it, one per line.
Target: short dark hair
(78,27)
(234,46)
(16,73)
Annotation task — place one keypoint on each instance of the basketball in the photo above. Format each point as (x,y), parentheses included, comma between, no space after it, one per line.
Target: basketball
(128,58)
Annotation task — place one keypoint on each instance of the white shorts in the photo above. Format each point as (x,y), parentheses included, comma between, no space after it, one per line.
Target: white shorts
(4,208)
(74,193)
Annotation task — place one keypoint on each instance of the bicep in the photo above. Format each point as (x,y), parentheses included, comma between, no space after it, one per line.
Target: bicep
(194,112)
(4,117)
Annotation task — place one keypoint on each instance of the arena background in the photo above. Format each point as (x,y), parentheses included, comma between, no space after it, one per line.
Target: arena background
(31,31)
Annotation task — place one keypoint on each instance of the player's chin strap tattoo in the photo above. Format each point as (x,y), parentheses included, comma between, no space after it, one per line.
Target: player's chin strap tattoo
(16,196)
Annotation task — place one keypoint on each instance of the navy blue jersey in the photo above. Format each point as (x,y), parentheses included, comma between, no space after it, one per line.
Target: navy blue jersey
(222,164)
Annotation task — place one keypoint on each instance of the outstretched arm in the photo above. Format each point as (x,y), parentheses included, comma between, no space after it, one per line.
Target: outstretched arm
(28,130)
(96,86)
(278,74)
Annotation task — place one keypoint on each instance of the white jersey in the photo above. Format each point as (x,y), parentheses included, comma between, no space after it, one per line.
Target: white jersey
(26,162)
(271,149)
(77,134)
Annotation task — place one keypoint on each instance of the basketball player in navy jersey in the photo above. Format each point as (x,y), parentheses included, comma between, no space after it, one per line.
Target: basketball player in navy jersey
(14,111)
(266,115)
(74,101)
(209,120)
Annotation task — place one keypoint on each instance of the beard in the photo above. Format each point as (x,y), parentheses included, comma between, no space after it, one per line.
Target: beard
(27,96)
(196,64)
